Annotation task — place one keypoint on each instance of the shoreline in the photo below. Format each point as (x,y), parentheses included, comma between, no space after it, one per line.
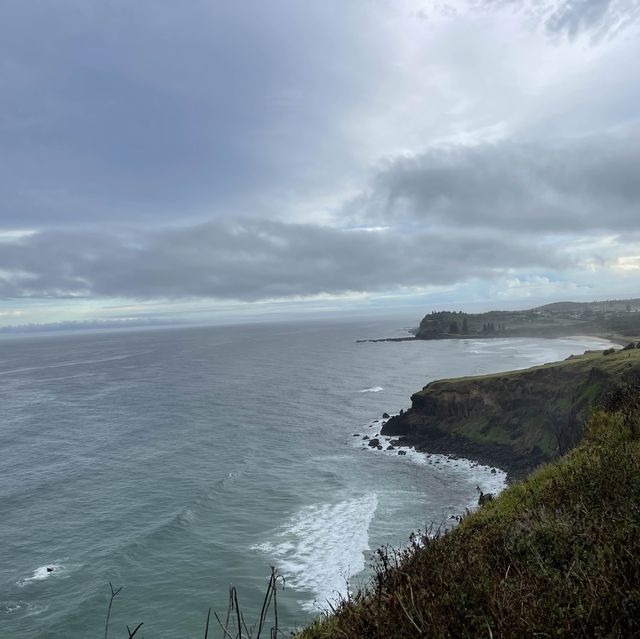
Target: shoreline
(500,456)
(613,338)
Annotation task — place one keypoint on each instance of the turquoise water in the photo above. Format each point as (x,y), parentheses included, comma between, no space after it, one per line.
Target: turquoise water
(176,462)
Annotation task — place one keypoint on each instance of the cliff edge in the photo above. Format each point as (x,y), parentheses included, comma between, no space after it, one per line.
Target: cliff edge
(514,420)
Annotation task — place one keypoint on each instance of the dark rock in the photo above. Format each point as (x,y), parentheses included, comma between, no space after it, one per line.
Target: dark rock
(356,434)
(493,471)
(379,447)
(402,452)
(484,498)
(366,437)
(374,442)
(390,447)
(385,415)
(49,569)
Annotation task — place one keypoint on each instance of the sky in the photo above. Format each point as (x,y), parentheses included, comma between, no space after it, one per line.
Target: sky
(166,161)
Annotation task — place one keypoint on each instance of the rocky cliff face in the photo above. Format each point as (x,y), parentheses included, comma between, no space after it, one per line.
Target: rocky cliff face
(514,420)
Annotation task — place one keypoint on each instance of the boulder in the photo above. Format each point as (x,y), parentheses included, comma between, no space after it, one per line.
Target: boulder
(390,447)
(484,498)
(374,442)
(366,437)
(385,415)
(402,452)
(493,471)
(379,447)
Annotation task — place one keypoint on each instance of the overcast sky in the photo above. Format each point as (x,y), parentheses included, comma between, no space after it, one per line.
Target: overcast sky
(163,159)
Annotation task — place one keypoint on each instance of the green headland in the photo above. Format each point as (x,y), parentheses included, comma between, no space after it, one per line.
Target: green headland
(515,420)
(613,319)
(556,554)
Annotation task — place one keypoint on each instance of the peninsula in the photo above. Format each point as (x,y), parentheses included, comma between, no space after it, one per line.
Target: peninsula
(612,319)
(515,420)
(615,320)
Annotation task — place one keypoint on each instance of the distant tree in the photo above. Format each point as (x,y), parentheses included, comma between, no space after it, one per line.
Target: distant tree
(465,326)
(453,327)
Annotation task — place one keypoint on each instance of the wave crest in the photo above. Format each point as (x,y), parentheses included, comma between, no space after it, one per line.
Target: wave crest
(323,545)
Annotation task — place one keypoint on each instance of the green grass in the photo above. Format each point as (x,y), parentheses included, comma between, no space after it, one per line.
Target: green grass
(557,555)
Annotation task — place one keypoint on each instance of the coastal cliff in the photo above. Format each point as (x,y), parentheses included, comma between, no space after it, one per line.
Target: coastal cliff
(555,555)
(514,420)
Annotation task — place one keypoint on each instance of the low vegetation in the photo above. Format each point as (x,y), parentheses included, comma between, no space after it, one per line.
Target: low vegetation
(557,555)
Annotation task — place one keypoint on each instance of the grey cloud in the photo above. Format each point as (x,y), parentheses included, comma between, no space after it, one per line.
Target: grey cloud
(157,110)
(251,260)
(562,186)
(598,17)
(572,18)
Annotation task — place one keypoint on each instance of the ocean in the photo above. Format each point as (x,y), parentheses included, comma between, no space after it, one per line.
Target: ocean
(175,463)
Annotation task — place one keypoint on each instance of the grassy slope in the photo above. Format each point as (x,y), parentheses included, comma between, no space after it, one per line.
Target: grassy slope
(532,414)
(557,555)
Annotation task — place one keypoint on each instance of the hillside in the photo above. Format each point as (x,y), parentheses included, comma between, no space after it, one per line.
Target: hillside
(514,420)
(557,555)
(614,319)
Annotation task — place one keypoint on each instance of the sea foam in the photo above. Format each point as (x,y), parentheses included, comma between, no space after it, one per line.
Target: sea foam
(489,479)
(44,572)
(322,545)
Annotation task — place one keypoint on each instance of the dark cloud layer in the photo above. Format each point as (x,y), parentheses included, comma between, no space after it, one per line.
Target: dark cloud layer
(250,260)
(173,145)
(562,186)
(149,110)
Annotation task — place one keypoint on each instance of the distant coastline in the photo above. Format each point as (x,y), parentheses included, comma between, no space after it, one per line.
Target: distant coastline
(616,339)
(614,320)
